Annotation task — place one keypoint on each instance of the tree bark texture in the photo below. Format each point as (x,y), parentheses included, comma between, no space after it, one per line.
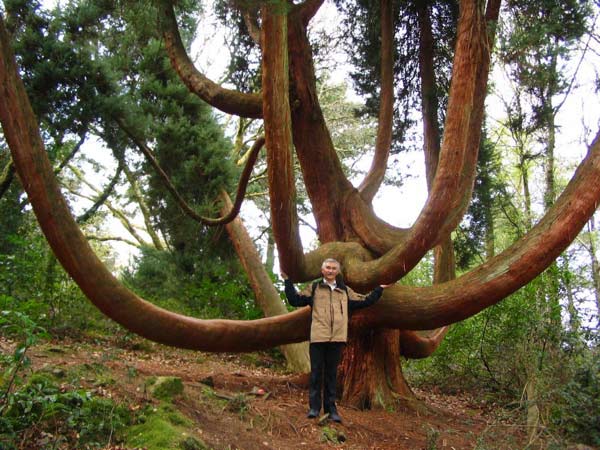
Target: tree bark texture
(371,251)
(278,137)
(267,297)
(370,373)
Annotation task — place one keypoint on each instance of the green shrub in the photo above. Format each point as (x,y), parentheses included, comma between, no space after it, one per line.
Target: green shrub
(577,414)
(75,417)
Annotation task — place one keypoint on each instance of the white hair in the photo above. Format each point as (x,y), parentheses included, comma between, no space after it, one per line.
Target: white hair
(331,260)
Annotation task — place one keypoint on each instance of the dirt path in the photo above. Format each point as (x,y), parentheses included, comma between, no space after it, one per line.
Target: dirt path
(223,396)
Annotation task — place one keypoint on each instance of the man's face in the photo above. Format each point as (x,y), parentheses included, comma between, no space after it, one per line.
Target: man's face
(329,271)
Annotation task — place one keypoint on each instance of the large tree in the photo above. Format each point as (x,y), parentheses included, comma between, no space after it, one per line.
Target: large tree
(371,250)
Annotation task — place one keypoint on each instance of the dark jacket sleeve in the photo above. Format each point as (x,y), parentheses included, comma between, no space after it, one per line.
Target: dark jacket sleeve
(294,298)
(369,300)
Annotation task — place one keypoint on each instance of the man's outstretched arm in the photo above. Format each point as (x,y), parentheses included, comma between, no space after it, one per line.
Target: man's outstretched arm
(292,295)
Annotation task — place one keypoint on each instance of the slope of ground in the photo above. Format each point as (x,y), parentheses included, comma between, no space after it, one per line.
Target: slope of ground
(248,402)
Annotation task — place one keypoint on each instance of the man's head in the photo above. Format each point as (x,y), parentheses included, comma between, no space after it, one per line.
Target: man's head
(330,268)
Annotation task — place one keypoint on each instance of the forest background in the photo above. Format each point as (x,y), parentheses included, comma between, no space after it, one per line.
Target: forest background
(536,352)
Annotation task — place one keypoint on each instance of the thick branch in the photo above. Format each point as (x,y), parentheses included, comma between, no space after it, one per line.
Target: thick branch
(324,178)
(429,98)
(421,344)
(276,110)
(226,100)
(376,234)
(459,152)
(267,297)
(78,259)
(450,302)
(370,185)
(413,308)
(308,10)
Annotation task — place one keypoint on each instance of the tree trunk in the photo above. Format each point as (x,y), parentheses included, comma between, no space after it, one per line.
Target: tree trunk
(370,374)
(533,411)
(267,297)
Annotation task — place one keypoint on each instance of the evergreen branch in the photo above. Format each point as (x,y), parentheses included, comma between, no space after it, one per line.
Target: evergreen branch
(103,197)
(93,237)
(185,207)
(226,100)
(73,152)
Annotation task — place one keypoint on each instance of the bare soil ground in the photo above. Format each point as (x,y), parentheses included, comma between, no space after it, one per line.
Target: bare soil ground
(240,416)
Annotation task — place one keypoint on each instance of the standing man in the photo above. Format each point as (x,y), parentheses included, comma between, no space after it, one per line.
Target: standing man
(331,302)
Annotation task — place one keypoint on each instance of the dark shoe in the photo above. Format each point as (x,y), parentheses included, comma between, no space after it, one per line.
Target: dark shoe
(312,414)
(335,417)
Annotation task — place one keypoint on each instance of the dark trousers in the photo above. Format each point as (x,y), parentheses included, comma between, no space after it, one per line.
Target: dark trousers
(324,360)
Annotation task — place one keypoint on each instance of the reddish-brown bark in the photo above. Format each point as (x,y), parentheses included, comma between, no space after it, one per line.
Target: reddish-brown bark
(444,206)
(371,251)
(370,372)
(278,135)
(429,98)
(370,185)
(76,256)
(227,100)
(324,179)
(267,297)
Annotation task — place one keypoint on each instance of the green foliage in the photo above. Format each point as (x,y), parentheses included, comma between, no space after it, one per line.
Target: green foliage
(26,333)
(361,31)
(163,428)
(64,82)
(211,291)
(165,388)
(34,284)
(333,436)
(473,240)
(498,351)
(576,413)
(45,412)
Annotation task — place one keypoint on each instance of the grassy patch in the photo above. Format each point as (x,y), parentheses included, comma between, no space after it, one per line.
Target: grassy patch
(163,428)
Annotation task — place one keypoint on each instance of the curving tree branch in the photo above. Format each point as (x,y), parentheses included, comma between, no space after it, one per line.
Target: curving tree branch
(421,344)
(503,274)
(459,150)
(402,308)
(370,185)
(187,209)
(278,135)
(226,100)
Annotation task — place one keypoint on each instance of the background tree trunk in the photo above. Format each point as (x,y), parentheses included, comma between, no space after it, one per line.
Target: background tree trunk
(267,297)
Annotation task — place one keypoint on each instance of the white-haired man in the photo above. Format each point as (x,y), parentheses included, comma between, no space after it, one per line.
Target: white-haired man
(331,303)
